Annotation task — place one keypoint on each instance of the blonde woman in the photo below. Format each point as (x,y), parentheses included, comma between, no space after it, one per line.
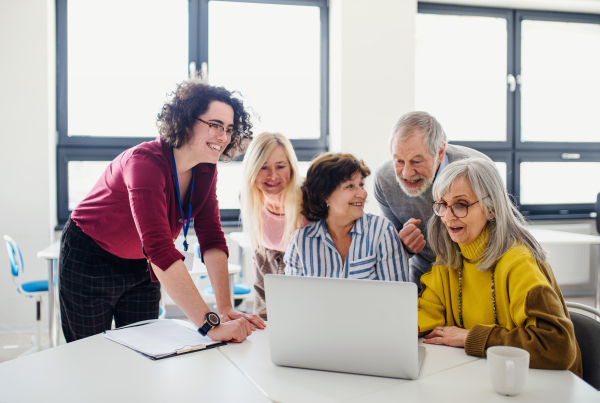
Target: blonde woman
(271,199)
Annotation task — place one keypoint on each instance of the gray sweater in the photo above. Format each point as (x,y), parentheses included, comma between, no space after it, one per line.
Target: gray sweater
(398,207)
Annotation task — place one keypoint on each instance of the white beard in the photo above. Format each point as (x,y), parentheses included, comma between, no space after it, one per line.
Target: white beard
(414,192)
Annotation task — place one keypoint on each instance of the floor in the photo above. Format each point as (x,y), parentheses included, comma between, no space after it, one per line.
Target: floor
(14,344)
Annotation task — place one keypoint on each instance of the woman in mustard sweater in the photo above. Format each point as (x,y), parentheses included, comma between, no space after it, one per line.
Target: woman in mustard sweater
(491,284)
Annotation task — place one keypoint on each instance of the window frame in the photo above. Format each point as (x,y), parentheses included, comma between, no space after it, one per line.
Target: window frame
(553,211)
(521,15)
(514,151)
(94,148)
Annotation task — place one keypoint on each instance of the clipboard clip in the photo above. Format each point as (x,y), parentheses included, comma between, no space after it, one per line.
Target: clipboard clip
(187,349)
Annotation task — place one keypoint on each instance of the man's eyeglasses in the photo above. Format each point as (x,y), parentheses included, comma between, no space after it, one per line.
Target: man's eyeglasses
(459,210)
(216,129)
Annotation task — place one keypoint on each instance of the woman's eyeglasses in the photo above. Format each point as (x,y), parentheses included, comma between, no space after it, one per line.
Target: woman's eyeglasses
(216,129)
(459,210)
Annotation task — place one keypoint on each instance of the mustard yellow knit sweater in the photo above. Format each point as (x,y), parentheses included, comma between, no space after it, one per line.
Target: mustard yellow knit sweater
(531,311)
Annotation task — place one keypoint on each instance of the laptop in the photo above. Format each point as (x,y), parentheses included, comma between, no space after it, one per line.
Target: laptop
(357,326)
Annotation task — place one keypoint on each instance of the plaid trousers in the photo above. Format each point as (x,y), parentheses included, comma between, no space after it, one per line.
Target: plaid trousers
(270,263)
(96,286)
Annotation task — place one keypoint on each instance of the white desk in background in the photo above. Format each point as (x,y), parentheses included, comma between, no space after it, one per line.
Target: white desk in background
(200,270)
(51,254)
(97,370)
(562,237)
(552,237)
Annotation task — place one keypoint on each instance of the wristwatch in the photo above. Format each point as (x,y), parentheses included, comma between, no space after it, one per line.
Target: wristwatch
(211,320)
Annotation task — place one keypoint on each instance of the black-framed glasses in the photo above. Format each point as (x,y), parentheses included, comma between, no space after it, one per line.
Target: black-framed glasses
(217,129)
(459,210)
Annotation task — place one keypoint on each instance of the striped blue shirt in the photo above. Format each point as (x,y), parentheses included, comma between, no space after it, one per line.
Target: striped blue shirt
(375,252)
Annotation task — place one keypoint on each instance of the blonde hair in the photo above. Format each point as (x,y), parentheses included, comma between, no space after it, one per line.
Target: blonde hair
(507,226)
(252,198)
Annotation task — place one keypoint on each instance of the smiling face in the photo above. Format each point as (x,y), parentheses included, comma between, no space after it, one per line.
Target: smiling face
(415,167)
(464,230)
(209,143)
(274,176)
(347,202)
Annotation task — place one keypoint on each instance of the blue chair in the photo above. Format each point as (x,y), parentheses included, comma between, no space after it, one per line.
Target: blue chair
(31,289)
(240,290)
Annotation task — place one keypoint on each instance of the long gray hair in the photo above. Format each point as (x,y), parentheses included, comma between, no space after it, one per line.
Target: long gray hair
(507,226)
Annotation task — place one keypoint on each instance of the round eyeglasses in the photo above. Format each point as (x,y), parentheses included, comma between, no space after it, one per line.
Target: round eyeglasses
(459,210)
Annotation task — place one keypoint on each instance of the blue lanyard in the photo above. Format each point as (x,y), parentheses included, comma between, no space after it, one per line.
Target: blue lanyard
(186,223)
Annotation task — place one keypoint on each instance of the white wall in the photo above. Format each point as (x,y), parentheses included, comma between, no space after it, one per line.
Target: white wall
(27,161)
(372,51)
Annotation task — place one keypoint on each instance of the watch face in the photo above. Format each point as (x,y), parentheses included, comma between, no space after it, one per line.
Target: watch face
(213,318)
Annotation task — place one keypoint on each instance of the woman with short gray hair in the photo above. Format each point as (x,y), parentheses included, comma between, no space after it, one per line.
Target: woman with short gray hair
(491,284)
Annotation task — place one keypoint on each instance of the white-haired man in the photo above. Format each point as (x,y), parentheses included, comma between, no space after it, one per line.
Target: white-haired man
(420,152)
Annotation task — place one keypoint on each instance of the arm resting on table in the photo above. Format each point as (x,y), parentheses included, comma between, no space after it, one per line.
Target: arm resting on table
(181,288)
(550,342)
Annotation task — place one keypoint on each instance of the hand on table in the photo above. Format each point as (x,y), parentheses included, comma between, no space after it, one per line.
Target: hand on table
(232,330)
(449,335)
(411,236)
(253,320)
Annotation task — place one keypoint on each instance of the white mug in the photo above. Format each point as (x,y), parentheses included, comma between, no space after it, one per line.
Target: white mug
(508,367)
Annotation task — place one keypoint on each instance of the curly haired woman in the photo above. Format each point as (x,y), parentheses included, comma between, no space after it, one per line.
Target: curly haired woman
(119,240)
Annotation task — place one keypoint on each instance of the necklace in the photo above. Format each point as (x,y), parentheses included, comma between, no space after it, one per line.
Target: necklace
(460,297)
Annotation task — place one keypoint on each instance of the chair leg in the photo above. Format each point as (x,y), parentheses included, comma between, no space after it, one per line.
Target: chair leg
(38,323)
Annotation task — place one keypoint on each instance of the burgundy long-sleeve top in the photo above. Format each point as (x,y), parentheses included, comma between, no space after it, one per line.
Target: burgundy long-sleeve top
(133,211)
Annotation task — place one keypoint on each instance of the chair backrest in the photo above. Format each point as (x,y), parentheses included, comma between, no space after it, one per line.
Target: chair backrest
(14,255)
(587,332)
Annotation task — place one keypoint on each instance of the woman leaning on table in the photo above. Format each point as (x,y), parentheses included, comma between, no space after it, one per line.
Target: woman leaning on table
(343,242)
(119,240)
(491,285)
(270,199)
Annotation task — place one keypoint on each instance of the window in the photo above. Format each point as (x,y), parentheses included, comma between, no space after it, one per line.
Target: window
(113,82)
(521,87)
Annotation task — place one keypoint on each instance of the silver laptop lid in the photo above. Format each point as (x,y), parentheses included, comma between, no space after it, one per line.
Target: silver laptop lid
(344,325)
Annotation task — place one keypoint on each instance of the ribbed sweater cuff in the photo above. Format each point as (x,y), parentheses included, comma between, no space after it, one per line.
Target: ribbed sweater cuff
(477,339)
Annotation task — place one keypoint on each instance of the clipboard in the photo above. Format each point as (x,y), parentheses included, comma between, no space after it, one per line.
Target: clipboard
(162,338)
(186,351)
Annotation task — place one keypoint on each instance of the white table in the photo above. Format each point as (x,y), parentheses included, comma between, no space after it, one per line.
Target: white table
(51,254)
(284,384)
(97,370)
(470,383)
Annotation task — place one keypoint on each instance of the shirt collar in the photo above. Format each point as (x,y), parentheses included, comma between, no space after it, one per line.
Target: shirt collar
(360,225)
(320,229)
(443,165)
